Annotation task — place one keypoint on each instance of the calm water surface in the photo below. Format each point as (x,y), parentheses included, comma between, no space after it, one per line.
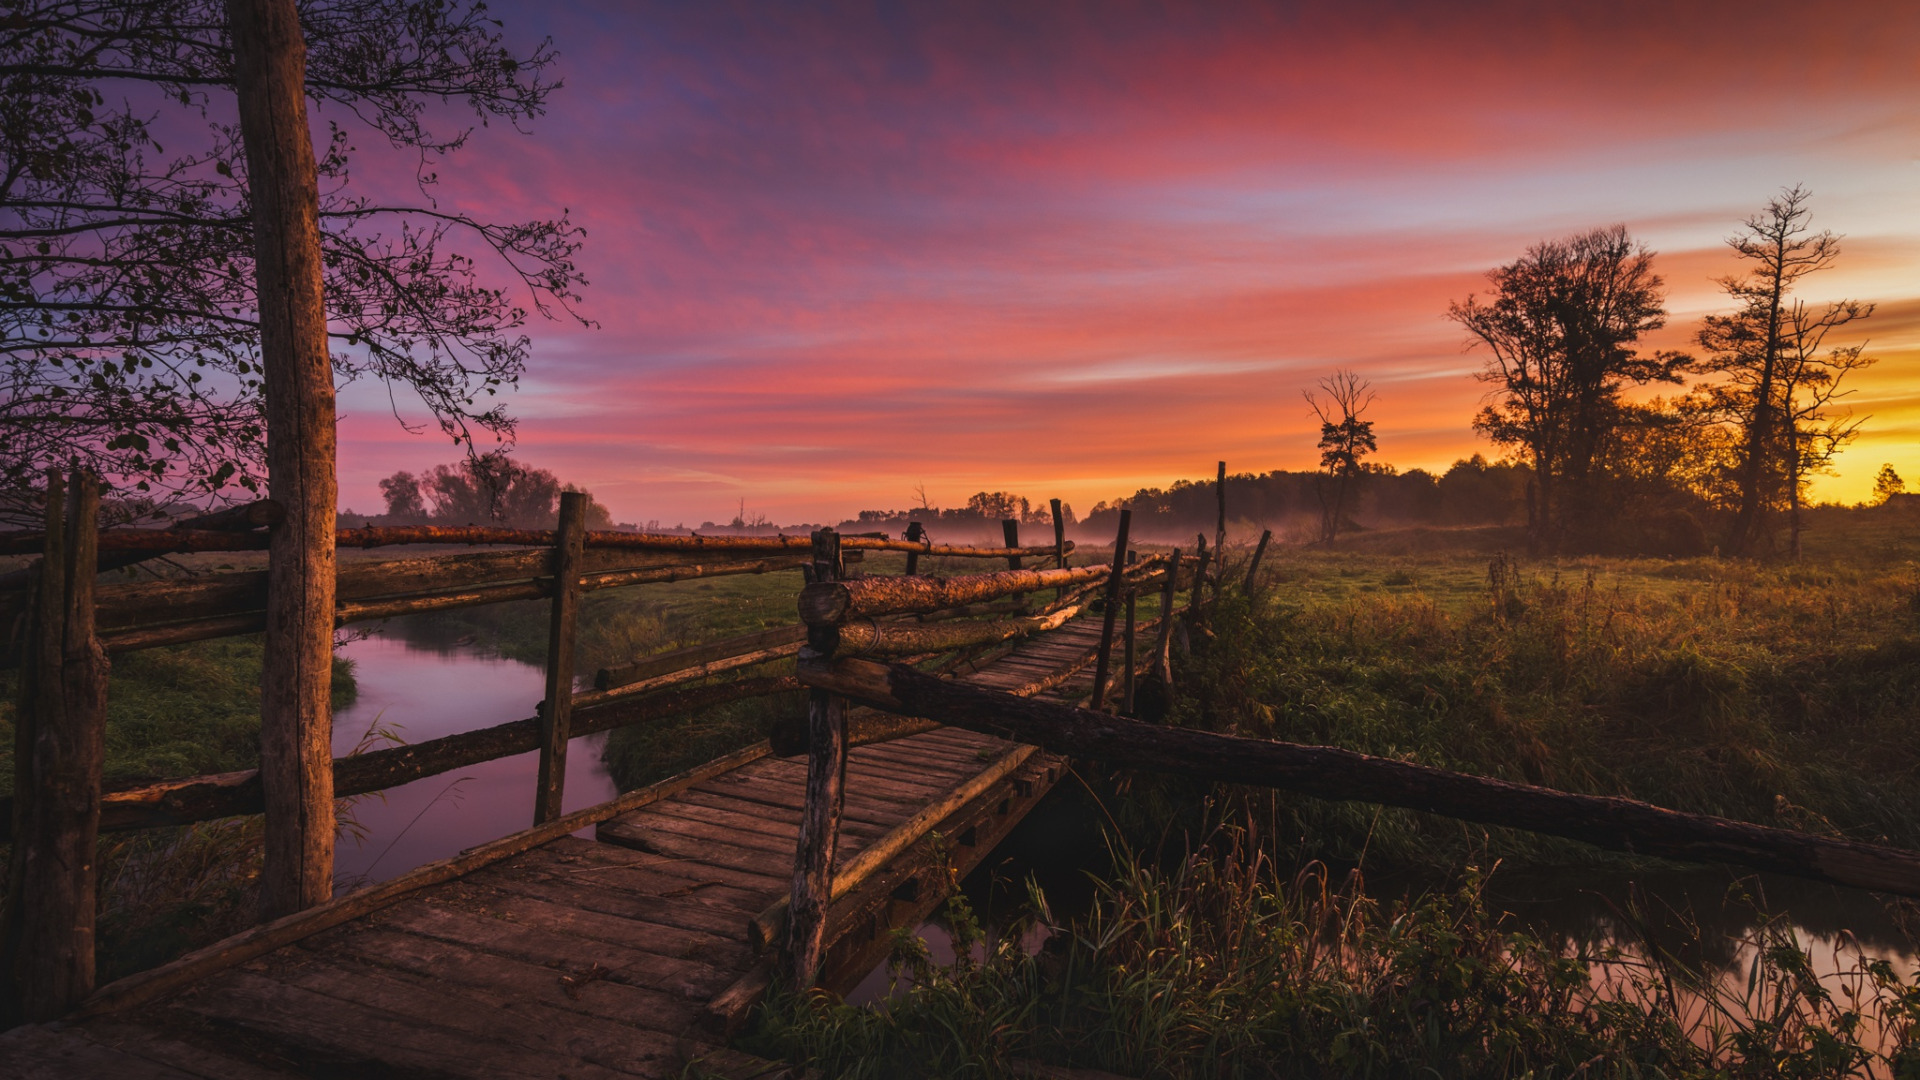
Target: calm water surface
(421,693)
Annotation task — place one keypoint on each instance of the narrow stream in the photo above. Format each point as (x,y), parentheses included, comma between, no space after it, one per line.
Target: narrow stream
(419,693)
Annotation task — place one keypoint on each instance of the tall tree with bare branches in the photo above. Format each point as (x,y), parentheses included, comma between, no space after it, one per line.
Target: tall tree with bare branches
(1345,438)
(1778,385)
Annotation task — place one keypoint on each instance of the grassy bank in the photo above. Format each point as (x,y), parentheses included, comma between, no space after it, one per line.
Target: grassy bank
(1224,967)
(1785,695)
(177,711)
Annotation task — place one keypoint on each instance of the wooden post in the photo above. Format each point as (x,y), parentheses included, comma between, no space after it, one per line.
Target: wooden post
(296,720)
(1105,654)
(51,914)
(1199,575)
(1253,568)
(1011,530)
(1059,536)
(1059,543)
(556,712)
(1163,651)
(1220,530)
(826,786)
(1126,678)
(916,533)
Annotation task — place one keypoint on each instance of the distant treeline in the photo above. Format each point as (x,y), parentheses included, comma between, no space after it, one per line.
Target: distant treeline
(1471,492)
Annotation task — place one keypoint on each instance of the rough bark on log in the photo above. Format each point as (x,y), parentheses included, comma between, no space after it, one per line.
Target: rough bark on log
(790,736)
(765,928)
(1253,567)
(825,793)
(1609,822)
(162,803)
(868,637)
(269,71)
(51,964)
(556,711)
(830,602)
(181,541)
(1114,576)
(695,655)
(260,514)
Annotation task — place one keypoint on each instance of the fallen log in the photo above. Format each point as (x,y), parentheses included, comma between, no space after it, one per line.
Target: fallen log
(870,637)
(1609,822)
(205,798)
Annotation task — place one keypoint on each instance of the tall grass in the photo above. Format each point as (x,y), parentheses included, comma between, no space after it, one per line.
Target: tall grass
(1224,966)
(1784,696)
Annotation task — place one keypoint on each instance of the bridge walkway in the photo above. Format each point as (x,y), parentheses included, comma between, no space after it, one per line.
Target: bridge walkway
(625,955)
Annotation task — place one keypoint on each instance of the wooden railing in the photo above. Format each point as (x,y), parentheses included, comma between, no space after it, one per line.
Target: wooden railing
(60,802)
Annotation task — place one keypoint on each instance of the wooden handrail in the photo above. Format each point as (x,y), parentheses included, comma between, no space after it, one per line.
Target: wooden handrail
(171,541)
(185,800)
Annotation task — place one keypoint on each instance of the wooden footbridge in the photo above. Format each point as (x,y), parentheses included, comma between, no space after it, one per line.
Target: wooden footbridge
(630,938)
(629,954)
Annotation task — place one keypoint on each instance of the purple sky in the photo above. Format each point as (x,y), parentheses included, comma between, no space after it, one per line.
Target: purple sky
(1069,250)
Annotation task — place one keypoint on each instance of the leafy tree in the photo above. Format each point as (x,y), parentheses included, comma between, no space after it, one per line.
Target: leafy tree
(490,489)
(1886,485)
(127,314)
(1345,438)
(1559,328)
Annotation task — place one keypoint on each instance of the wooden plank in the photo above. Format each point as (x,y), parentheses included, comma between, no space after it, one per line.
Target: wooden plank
(664,925)
(667,842)
(35,1052)
(565,1037)
(590,892)
(589,989)
(186,1050)
(648,875)
(546,941)
(791,796)
(259,940)
(784,828)
(348,1036)
(633,831)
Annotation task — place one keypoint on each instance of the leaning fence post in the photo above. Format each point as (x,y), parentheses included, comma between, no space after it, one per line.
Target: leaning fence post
(1253,568)
(1113,610)
(826,788)
(1010,529)
(556,712)
(1220,529)
(1126,678)
(1163,652)
(1199,582)
(1059,543)
(50,955)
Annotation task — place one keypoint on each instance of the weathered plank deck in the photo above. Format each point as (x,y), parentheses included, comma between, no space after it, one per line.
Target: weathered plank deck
(621,956)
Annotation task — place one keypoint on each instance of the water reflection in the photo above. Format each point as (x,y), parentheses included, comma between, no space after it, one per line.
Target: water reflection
(425,693)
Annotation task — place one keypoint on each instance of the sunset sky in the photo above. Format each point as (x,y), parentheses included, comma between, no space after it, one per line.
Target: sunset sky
(1066,250)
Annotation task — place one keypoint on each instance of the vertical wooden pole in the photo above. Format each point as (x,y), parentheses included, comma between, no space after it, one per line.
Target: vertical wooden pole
(51,967)
(556,712)
(1253,568)
(1126,678)
(1059,536)
(1059,544)
(296,721)
(1010,529)
(1163,651)
(916,533)
(1105,655)
(1220,529)
(826,784)
(1199,580)
(26,709)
